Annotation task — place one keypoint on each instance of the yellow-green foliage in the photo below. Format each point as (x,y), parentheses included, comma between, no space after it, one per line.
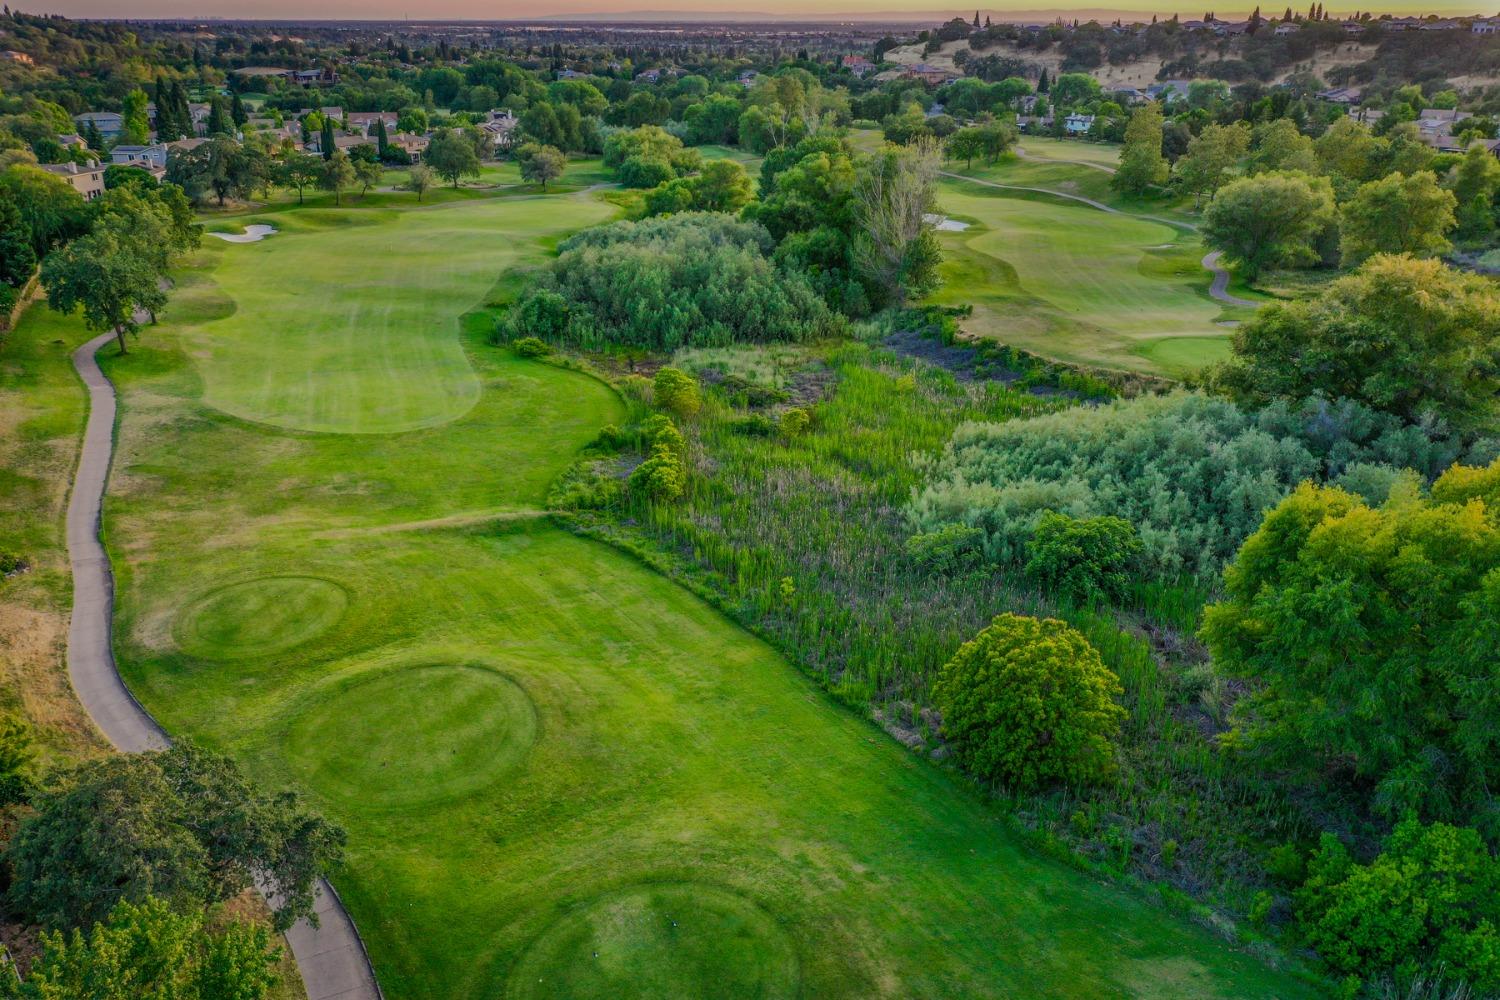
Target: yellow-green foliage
(1370,634)
(676,392)
(1028,703)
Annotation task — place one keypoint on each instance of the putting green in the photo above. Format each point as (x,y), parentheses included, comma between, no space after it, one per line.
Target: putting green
(1076,283)
(472,724)
(260,617)
(345,321)
(661,942)
(664,747)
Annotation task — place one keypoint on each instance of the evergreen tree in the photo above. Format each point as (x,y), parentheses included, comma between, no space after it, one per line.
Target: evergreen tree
(382,141)
(976,19)
(237,112)
(1042,86)
(166,121)
(325,139)
(93,137)
(218,119)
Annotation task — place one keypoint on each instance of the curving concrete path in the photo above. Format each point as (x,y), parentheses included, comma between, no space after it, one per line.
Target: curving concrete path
(330,957)
(1220,286)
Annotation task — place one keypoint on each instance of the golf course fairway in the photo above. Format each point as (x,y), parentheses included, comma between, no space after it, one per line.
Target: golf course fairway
(562,775)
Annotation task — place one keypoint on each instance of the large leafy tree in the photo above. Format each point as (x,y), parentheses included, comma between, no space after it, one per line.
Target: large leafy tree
(1267,220)
(541,164)
(1409,337)
(48,206)
(1428,907)
(221,168)
(894,245)
(1210,159)
(148,951)
(1142,166)
(182,824)
(1369,636)
(1028,703)
(1397,214)
(113,284)
(1474,182)
(452,157)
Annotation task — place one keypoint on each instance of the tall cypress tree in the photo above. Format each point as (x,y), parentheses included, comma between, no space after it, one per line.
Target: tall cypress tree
(237,112)
(166,123)
(382,141)
(325,139)
(218,119)
(182,116)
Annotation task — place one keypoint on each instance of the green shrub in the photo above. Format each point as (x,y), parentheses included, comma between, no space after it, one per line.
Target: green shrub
(795,422)
(1082,558)
(1428,906)
(1028,702)
(1193,473)
(661,478)
(542,313)
(531,347)
(951,550)
(688,280)
(645,172)
(676,392)
(16,758)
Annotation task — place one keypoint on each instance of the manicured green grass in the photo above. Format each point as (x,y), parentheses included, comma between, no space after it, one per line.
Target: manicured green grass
(1105,154)
(315,338)
(561,773)
(1079,284)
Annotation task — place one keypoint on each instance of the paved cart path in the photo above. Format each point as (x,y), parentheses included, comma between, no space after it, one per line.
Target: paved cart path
(330,957)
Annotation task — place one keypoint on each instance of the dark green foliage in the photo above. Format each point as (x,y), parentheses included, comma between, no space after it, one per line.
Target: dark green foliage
(645,172)
(1410,337)
(950,550)
(16,758)
(1028,703)
(150,952)
(182,824)
(1082,559)
(1193,473)
(1370,636)
(684,280)
(17,259)
(1427,908)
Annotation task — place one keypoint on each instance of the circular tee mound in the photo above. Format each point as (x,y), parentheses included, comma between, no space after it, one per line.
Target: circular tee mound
(412,736)
(260,617)
(661,942)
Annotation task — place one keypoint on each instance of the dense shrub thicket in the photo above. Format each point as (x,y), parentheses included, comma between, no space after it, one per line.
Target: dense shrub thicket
(1193,473)
(690,280)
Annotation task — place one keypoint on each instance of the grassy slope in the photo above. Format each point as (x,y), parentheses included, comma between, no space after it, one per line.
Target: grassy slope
(42,410)
(692,811)
(1076,283)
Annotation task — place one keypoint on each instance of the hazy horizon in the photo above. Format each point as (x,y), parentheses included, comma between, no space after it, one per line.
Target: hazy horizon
(657,10)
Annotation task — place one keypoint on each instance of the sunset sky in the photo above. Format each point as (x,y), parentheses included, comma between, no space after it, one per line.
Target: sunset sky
(521,9)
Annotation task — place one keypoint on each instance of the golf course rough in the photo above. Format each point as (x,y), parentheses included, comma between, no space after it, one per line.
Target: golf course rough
(540,748)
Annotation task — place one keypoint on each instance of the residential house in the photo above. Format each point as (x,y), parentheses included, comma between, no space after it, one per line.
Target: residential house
(1078,124)
(1354,27)
(1288,28)
(858,65)
(11,55)
(109,123)
(1169,90)
(501,127)
(1130,95)
(1341,95)
(1485,26)
(571,74)
(1440,26)
(87,180)
(929,74)
(649,76)
(1401,23)
(748,77)
(72,140)
(413,145)
(363,122)
(154,155)
(313,77)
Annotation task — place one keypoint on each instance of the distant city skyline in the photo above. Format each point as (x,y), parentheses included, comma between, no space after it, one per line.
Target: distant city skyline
(659,10)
